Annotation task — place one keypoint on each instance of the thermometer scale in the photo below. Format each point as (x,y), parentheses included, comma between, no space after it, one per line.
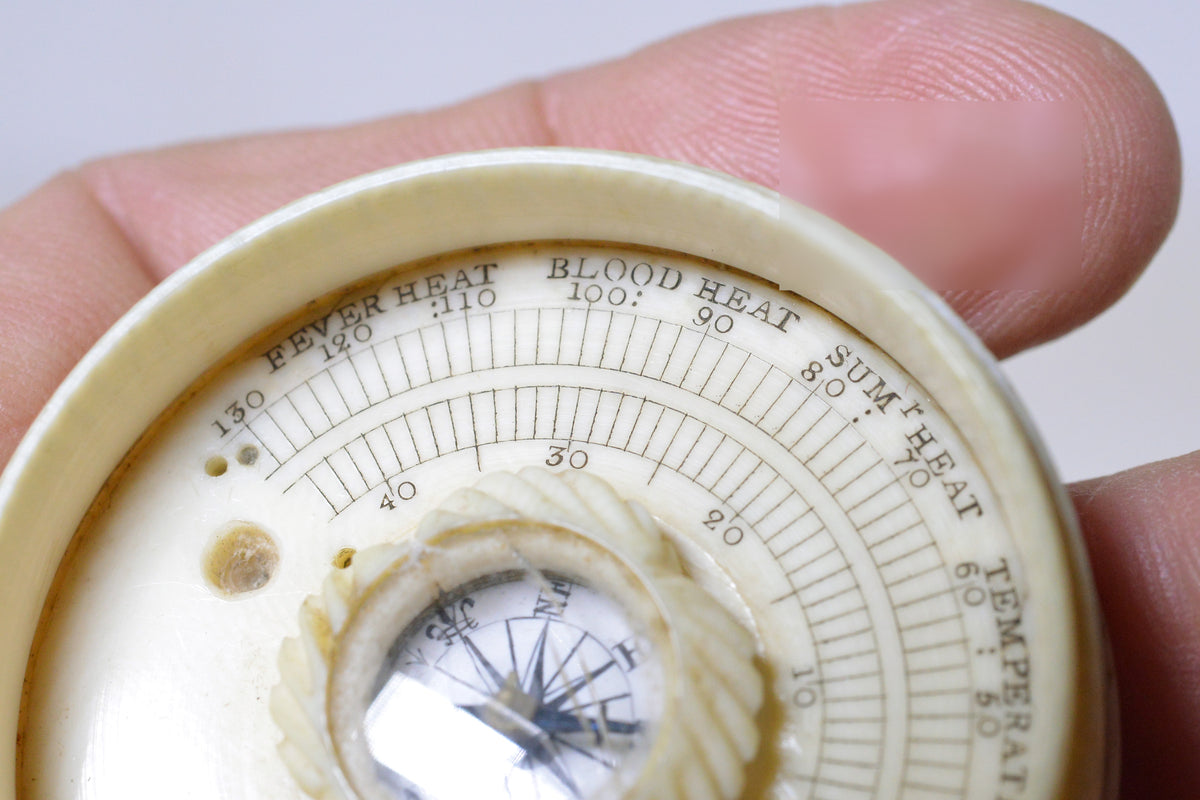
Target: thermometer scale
(544,473)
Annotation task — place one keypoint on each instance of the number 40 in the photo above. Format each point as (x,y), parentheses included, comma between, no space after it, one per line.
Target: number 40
(405,490)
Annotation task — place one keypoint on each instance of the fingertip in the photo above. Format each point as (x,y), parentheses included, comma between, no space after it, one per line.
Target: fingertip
(1080,223)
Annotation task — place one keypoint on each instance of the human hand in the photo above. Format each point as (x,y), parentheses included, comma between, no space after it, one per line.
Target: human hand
(77,253)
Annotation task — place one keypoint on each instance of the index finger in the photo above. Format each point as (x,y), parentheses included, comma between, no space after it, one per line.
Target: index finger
(712,97)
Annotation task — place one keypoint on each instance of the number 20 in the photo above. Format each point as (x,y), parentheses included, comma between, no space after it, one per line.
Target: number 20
(732,535)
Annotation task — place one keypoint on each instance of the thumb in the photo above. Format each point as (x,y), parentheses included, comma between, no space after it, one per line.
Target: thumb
(1142,529)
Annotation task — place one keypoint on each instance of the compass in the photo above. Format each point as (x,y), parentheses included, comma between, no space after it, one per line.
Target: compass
(540,623)
(559,695)
(544,473)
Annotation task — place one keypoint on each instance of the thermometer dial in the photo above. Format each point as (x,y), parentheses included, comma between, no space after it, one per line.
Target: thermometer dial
(546,473)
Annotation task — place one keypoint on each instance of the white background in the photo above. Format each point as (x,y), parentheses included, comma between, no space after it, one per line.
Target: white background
(80,80)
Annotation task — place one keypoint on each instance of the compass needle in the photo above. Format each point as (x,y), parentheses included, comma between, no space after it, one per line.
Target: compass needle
(483,666)
(603,477)
(585,680)
(537,665)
